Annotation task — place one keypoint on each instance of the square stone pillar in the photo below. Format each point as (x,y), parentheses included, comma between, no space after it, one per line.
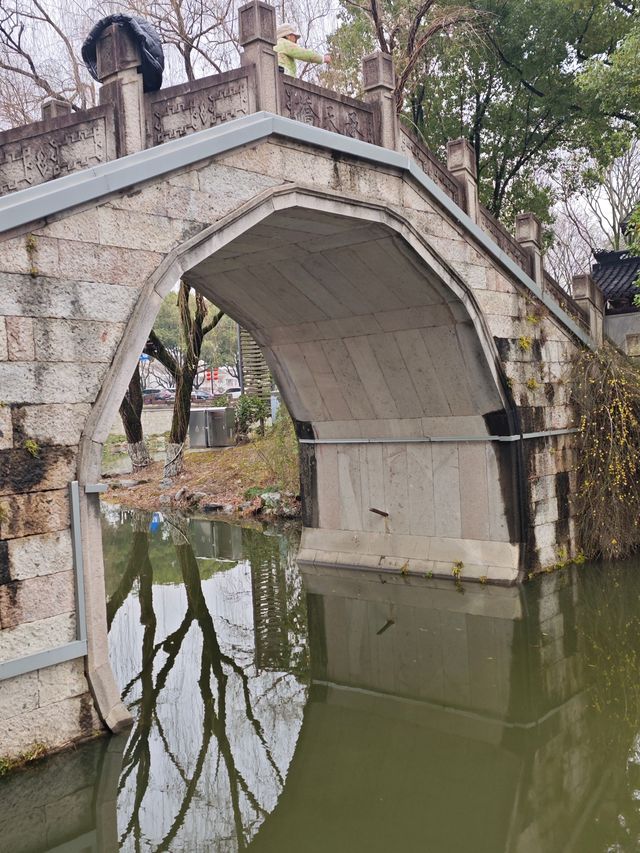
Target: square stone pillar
(591,299)
(257,22)
(54,107)
(461,162)
(529,235)
(118,60)
(379,88)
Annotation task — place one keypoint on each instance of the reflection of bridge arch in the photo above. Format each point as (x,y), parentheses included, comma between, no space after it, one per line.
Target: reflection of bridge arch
(433,722)
(457,733)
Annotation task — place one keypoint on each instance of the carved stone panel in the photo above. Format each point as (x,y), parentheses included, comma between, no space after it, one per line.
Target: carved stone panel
(430,165)
(313,105)
(39,152)
(182,110)
(504,240)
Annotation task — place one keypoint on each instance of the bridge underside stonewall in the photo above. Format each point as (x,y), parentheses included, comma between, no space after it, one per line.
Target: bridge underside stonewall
(425,371)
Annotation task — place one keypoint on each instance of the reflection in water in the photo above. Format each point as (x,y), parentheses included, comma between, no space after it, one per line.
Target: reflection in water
(412,719)
(213,729)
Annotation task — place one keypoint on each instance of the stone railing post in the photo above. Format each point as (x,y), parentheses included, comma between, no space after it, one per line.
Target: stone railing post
(461,162)
(118,61)
(529,235)
(590,298)
(257,24)
(379,88)
(54,107)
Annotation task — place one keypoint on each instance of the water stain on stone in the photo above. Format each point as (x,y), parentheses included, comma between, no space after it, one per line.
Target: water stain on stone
(5,574)
(17,421)
(533,418)
(503,345)
(85,717)
(21,471)
(562,498)
(10,608)
(536,349)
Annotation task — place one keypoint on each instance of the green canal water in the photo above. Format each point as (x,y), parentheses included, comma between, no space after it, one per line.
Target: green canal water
(282,709)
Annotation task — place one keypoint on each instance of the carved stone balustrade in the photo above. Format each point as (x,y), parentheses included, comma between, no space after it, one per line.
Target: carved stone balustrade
(54,147)
(320,107)
(189,107)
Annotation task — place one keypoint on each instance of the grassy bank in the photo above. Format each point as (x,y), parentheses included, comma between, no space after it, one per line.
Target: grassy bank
(233,477)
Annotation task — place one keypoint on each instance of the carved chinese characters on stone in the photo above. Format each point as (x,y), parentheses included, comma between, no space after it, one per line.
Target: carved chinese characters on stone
(303,103)
(48,155)
(189,112)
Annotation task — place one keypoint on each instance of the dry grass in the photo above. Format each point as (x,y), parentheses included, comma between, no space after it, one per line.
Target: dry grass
(223,475)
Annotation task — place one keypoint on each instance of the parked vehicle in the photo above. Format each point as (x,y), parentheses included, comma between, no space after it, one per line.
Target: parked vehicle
(199,394)
(149,395)
(233,393)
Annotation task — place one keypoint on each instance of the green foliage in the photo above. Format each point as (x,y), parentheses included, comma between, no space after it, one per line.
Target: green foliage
(33,753)
(633,244)
(219,347)
(280,453)
(249,411)
(32,447)
(525,343)
(509,81)
(614,84)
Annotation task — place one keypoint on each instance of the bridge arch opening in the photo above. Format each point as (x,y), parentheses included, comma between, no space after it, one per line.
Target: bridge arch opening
(385,364)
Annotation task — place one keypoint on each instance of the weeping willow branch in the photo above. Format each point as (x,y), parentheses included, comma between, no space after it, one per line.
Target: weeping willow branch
(606,390)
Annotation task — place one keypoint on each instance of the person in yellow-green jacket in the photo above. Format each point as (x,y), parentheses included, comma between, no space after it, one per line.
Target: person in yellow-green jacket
(289,51)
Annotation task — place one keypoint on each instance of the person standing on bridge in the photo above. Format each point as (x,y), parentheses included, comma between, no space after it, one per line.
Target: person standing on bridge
(289,51)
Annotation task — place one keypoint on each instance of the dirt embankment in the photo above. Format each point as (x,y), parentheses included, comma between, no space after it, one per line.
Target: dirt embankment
(260,477)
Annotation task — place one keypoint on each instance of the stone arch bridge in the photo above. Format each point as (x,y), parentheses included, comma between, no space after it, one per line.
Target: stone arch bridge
(420,348)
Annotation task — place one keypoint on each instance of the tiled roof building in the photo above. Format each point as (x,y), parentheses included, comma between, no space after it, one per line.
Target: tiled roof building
(615,273)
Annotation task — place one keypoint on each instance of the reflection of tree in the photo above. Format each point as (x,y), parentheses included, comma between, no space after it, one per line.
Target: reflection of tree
(137,564)
(219,674)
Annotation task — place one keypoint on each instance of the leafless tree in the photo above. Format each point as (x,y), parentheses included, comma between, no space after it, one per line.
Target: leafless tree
(39,58)
(591,219)
(40,43)
(199,36)
(569,254)
(226,692)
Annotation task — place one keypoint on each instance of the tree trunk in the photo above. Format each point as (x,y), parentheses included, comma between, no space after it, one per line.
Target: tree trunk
(174,457)
(174,460)
(131,415)
(139,455)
